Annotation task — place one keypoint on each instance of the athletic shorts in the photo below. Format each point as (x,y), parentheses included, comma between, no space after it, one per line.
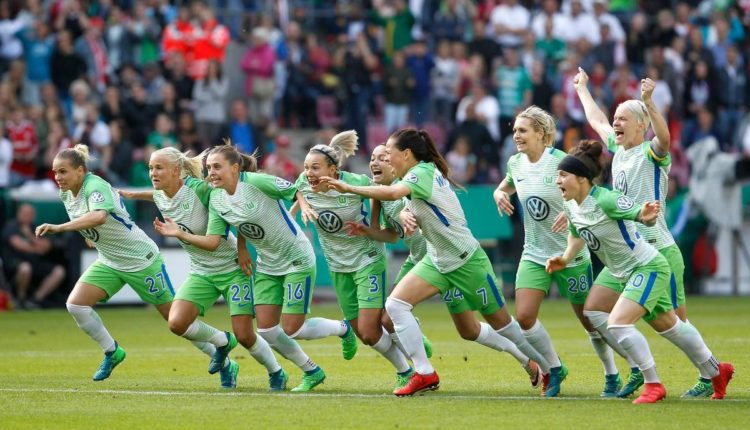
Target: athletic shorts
(203,290)
(676,282)
(362,289)
(292,291)
(573,283)
(152,283)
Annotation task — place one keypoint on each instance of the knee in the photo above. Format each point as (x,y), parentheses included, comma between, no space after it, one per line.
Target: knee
(246,338)
(526,320)
(291,328)
(396,306)
(178,325)
(370,335)
(387,323)
(468,333)
(59,271)
(24,270)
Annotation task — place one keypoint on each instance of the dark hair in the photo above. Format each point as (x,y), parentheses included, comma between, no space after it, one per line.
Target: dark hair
(248,163)
(590,153)
(77,156)
(423,147)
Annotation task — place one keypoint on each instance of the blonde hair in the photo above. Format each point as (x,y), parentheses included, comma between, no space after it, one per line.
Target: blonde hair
(77,155)
(639,111)
(189,166)
(542,121)
(342,146)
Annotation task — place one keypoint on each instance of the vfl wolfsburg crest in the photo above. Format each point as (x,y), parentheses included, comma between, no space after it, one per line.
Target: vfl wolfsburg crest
(537,208)
(549,180)
(329,221)
(185,206)
(252,231)
(343,200)
(590,239)
(250,205)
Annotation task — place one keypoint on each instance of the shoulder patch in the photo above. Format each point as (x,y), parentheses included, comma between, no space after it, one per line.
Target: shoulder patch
(96,197)
(624,203)
(411,177)
(282,184)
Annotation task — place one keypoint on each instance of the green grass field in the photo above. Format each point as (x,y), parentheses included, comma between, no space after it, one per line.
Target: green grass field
(46,364)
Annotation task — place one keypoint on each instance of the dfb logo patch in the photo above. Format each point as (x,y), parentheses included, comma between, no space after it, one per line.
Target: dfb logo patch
(282,183)
(591,240)
(252,231)
(537,208)
(621,183)
(411,177)
(329,222)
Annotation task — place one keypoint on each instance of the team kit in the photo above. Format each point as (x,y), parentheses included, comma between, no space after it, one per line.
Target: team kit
(411,197)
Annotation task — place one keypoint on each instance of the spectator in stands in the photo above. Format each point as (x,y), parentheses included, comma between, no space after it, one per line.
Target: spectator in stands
(420,62)
(30,260)
(112,107)
(513,89)
(11,47)
(118,39)
(187,132)
(146,31)
(80,96)
(90,47)
(485,106)
(733,96)
(239,128)
(610,21)
(480,44)
(210,40)
(169,104)
(398,85)
(700,93)
(509,21)
(549,15)
(153,82)
(461,161)
(58,139)
(580,24)
(636,43)
(138,115)
(94,133)
(397,19)
(258,65)
(122,155)
(65,65)
(552,49)
(6,158)
(209,101)
(162,136)
(178,38)
(451,19)
(444,79)
(279,163)
(38,46)
(20,132)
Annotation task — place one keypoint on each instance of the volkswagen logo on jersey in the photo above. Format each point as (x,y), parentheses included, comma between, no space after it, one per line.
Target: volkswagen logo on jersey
(537,208)
(397,226)
(96,197)
(624,203)
(90,234)
(590,239)
(184,228)
(252,231)
(329,221)
(621,183)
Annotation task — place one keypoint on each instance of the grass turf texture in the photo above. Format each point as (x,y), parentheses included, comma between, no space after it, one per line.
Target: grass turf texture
(46,364)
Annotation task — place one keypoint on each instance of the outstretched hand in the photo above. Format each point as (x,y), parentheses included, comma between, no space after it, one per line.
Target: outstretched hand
(647,89)
(334,184)
(502,200)
(168,228)
(649,212)
(581,79)
(555,263)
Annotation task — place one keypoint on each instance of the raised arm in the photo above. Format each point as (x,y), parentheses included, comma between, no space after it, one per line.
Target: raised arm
(595,116)
(378,192)
(660,144)
(147,195)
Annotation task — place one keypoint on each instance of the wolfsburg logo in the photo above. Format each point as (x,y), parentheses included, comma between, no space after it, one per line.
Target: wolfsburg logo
(590,239)
(621,183)
(537,208)
(329,221)
(252,231)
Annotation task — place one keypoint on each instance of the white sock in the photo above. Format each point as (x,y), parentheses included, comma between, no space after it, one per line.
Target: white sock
(88,320)
(262,353)
(512,331)
(396,341)
(492,339)
(390,351)
(538,337)
(636,346)
(202,332)
(599,319)
(287,347)
(318,328)
(204,347)
(604,352)
(687,338)
(409,333)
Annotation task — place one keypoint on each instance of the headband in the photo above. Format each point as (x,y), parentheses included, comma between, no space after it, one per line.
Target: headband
(328,156)
(576,166)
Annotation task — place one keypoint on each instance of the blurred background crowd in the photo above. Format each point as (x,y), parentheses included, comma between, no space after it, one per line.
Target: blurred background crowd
(129,76)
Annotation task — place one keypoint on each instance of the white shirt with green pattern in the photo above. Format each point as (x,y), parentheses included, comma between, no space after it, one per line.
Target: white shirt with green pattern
(122,245)
(344,253)
(416,242)
(189,209)
(256,210)
(605,221)
(440,217)
(644,177)
(541,202)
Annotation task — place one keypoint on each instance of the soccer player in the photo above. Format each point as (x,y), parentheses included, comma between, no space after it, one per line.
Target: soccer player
(182,198)
(357,263)
(604,220)
(531,174)
(640,170)
(285,272)
(463,316)
(454,258)
(126,256)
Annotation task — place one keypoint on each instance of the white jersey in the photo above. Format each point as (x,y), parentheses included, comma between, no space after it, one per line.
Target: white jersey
(440,217)
(344,253)
(121,244)
(257,212)
(541,202)
(189,209)
(416,242)
(641,175)
(604,220)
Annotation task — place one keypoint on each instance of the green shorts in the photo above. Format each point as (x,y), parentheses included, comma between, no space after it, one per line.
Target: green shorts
(363,289)
(407,266)
(676,283)
(648,285)
(455,302)
(573,283)
(152,283)
(475,282)
(203,290)
(293,291)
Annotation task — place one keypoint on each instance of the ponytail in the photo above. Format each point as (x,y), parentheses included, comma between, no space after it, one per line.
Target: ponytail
(189,166)
(423,147)
(77,156)
(247,163)
(341,147)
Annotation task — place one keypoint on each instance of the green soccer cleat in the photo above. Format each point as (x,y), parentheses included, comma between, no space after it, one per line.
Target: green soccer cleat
(635,381)
(310,380)
(277,380)
(403,378)
(612,384)
(221,354)
(554,379)
(228,375)
(348,342)
(111,360)
(702,388)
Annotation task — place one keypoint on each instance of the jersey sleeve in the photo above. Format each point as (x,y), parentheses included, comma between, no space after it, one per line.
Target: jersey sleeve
(648,151)
(509,175)
(618,206)
(419,181)
(272,186)
(356,179)
(99,196)
(216,224)
(611,145)
(201,188)
(571,228)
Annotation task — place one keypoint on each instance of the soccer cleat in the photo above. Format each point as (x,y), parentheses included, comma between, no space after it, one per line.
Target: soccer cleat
(310,380)
(702,388)
(612,385)
(534,372)
(720,381)
(228,374)
(111,360)
(652,393)
(277,380)
(222,352)
(553,380)
(417,383)
(403,378)
(635,381)
(348,342)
